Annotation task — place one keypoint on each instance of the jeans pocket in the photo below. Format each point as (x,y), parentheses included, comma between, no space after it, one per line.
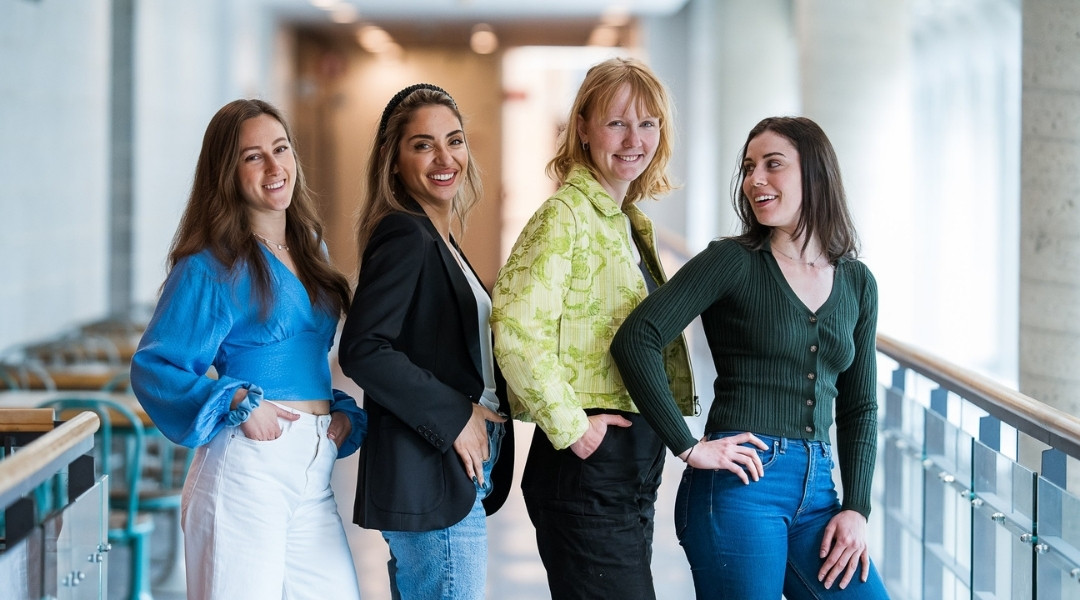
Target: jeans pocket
(682,503)
(768,457)
(284,424)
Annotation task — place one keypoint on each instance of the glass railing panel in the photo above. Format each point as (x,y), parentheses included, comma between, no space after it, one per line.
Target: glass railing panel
(946,509)
(1058,545)
(897,518)
(82,531)
(1003,525)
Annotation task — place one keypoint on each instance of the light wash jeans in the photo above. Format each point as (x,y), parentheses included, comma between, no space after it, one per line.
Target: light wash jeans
(450,563)
(756,541)
(260,521)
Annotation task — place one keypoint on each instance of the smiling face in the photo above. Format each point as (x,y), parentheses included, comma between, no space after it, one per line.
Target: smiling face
(622,142)
(772,180)
(432,157)
(266,171)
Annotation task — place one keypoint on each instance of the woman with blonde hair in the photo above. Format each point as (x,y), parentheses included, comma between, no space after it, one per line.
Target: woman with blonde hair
(585,259)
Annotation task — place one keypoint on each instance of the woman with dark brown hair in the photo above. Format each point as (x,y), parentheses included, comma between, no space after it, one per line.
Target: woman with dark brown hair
(790,315)
(234,363)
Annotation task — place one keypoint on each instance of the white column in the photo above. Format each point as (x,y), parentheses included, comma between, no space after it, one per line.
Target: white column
(735,63)
(855,70)
(1050,210)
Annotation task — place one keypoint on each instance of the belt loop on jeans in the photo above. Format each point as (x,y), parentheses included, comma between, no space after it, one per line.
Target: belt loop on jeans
(781,445)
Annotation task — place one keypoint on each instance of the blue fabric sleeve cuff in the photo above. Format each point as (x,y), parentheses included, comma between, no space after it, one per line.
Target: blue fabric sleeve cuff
(243,410)
(345,403)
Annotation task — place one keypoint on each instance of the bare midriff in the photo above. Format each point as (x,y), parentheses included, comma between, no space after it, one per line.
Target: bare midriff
(313,407)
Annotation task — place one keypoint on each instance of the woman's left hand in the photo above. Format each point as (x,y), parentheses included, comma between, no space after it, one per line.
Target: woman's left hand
(844,549)
(340,428)
(471,444)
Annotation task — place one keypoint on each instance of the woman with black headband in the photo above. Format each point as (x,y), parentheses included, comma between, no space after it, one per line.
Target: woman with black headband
(417,340)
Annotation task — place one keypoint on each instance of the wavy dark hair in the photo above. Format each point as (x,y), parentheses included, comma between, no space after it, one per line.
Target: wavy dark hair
(595,95)
(216,216)
(824,204)
(384,192)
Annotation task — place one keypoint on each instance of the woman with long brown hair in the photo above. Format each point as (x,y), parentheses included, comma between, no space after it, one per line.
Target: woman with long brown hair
(234,363)
(417,341)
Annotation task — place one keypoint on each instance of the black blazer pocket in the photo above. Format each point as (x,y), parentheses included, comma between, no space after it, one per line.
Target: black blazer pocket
(411,479)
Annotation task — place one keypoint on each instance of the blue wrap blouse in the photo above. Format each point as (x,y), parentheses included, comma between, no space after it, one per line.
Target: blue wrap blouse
(208,316)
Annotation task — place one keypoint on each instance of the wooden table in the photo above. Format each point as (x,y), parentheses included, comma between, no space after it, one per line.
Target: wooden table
(34,398)
(80,376)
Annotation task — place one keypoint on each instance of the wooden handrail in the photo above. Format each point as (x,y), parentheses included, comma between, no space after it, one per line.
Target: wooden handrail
(1045,423)
(45,456)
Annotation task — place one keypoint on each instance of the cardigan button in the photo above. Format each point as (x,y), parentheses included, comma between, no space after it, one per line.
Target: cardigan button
(813,348)
(810,376)
(813,318)
(809,429)
(809,402)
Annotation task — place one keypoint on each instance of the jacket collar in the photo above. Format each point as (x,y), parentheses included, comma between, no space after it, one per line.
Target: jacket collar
(583,180)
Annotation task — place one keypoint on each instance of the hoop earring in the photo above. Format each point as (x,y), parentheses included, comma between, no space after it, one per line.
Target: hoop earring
(585,146)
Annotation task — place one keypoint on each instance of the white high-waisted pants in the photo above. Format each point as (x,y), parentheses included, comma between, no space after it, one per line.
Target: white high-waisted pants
(260,521)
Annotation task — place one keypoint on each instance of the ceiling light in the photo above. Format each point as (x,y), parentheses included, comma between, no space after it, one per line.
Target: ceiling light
(375,39)
(483,39)
(344,13)
(616,15)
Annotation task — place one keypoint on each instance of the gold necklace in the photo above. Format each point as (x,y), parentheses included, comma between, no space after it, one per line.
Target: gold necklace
(270,244)
(811,263)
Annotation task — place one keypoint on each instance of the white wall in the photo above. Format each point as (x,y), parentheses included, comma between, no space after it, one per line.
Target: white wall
(54,101)
(192,58)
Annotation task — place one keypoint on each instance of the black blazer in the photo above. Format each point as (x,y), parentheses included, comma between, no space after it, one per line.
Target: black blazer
(411,341)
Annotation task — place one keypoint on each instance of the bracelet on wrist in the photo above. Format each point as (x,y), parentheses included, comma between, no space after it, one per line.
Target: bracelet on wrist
(687,459)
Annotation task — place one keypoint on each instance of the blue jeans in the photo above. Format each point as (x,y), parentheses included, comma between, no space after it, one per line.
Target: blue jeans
(450,563)
(757,541)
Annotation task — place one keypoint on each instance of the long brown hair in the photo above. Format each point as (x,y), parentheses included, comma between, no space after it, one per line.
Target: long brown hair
(385,193)
(216,216)
(824,204)
(595,95)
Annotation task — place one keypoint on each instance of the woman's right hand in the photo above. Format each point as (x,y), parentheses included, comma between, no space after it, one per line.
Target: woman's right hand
(262,424)
(594,435)
(729,454)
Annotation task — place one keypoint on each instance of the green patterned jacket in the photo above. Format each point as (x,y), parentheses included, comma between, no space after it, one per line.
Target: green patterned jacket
(569,283)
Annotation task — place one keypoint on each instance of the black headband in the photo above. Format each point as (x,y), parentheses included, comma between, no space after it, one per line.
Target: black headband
(398,97)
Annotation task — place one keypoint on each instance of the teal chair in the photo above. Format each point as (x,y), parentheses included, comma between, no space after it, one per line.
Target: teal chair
(8,379)
(129,525)
(165,467)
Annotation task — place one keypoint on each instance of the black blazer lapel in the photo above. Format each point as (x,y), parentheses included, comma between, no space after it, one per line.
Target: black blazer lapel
(463,295)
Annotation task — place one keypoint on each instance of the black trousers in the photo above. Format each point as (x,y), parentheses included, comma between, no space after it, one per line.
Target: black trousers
(594,517)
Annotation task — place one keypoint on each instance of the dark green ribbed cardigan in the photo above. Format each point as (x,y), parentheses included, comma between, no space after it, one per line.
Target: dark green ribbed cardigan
(781,368)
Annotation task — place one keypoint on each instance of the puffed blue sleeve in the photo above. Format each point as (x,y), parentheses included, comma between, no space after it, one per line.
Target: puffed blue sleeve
(342,402)
(195,313)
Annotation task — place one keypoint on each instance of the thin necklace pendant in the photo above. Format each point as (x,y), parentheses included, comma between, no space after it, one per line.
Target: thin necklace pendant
(270,244)
(812,263)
